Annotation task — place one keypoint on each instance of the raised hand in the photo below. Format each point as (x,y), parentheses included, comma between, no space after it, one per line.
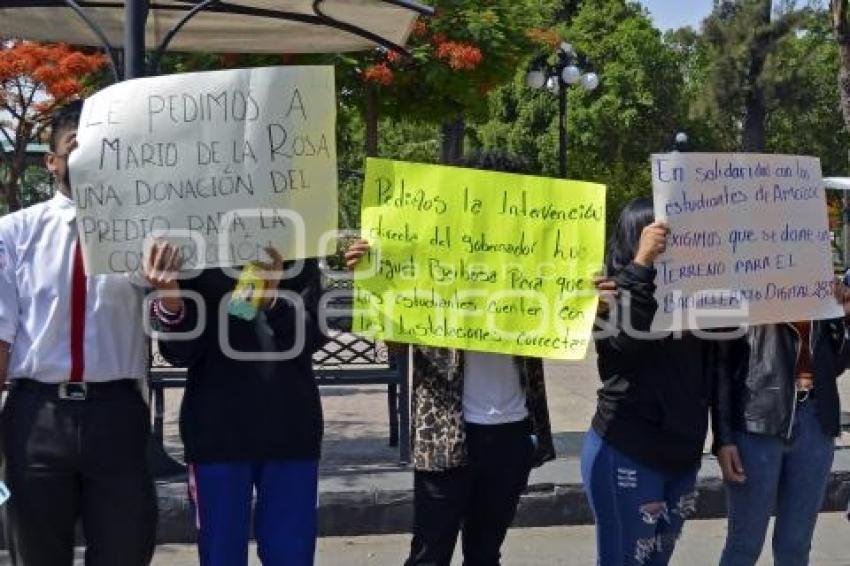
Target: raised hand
(161,269)
(355,252)
(273,272)
(653,242)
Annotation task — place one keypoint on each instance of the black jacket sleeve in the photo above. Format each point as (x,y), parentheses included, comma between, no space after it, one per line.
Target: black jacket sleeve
(844,346)
(298,306)
(730,355)
(636,307)
(177,350)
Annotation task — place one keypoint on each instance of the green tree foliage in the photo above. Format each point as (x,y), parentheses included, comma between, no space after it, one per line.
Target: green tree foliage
(747,79)
(806,119)
(840,13)
(797,82)
(694,65)
(611,132)
(405,140)
(466,50)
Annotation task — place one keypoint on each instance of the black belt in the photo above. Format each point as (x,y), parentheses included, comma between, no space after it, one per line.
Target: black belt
(76,391)
(524,425)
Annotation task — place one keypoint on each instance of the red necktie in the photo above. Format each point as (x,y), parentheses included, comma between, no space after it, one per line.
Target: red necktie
(78,315)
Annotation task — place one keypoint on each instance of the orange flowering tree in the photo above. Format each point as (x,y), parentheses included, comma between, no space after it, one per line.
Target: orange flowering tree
(34,79)
(458,56)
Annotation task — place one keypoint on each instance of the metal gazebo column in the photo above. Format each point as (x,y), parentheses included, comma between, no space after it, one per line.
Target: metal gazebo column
(135,20)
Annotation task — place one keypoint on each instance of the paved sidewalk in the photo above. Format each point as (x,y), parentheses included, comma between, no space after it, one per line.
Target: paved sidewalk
(364,490)
(356,426)
(701,545)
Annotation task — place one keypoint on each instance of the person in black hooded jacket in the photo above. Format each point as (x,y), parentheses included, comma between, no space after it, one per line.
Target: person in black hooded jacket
(641,456)
(251,417)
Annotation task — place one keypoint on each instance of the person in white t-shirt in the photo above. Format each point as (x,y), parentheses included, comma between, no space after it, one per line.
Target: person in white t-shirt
(480,423)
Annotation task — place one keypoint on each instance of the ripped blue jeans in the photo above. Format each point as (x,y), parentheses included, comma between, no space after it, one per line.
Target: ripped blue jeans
(639,511)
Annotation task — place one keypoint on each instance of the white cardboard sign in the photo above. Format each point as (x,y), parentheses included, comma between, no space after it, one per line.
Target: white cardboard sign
(749,241)
(223,163)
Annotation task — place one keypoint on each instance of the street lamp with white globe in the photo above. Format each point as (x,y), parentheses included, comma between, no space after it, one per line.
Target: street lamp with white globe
(557,77)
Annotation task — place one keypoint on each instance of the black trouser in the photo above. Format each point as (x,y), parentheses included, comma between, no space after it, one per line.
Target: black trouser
(480,498)
(86,459)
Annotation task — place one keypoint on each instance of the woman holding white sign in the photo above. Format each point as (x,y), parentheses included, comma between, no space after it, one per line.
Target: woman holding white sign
(641,456)
(251,417)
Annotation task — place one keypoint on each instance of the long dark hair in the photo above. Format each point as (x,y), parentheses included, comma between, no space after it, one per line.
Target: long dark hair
(623,245)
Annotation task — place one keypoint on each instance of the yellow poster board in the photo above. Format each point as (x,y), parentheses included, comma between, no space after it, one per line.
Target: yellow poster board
(479,260)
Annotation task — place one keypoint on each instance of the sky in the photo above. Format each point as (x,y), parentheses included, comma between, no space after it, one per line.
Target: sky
(672,14)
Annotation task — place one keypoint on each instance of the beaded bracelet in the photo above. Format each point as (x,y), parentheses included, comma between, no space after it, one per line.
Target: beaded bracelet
(166,317)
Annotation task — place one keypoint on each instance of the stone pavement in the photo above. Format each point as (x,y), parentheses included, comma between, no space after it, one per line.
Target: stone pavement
(364,490)
(356,426)
(701,545)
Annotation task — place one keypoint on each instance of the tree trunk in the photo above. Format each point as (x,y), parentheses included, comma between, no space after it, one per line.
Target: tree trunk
(9,192)
(13,200)
(844,92)
(567,10)
(453,133)
(6,175)
(844,80)
(14,167)
(755,118)
(840,27)
(4,190)
(755,110)
(766,8)
(371,121)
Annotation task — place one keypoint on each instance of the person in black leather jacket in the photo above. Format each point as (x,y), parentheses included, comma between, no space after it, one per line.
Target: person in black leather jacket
(775,420)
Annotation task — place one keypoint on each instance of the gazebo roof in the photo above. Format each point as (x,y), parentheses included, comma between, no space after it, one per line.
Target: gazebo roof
(239,26)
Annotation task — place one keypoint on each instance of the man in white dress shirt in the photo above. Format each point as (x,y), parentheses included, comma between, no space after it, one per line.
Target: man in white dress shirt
(75,424)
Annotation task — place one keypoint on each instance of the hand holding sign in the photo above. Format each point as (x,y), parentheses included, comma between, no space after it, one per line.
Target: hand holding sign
(355,252)
(608,293)
(653,242)
(163,266)
(161,272)
(272,272)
